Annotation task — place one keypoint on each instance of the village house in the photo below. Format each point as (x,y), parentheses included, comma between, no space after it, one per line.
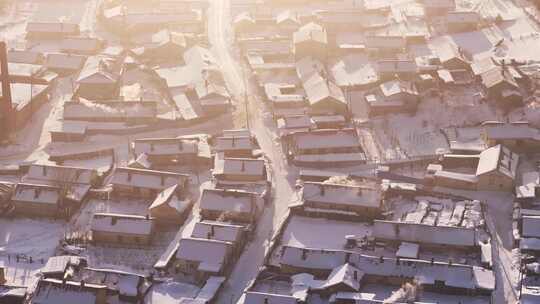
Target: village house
(64,64)
(290,124)
(81,45)
(171,206)
(26,99)
(235,145)
(68,131)
(392,97)
(325,97)
(122,229)
(518,136)
(385,46)
(325,148)
(75,181)
(339,201)
(50,30)
(213,98)
(39,201)
(51,290)
(497,169)
(501,85)
(311,40)
(287,21)
(441,277)
(242,170)
(144,183)
(165,46)
(97,80)
(494,169)
(166,151)
(233,205)
(285,99)
(426,235)
(27,67)
(203,257)
(402,69)
(438,7)
(220,231)
(138,112)
(462,21)
(244,23)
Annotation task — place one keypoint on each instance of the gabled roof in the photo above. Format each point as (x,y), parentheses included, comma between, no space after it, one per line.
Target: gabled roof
(310,32)
(169,197)
(287,16)
(495,76)
(25,56)
(65,61)
(331,194)
(326,139)
(98,70)
(211,254)
(394,87)
(36,194)
(151,179)
(122,223)
(217,231)
(498,158)
(319,90)
(228,200)
(344,274)
(165,146)
(52,27)
(239,166)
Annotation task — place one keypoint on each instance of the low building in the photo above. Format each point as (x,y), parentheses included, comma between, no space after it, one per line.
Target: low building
(518,136)
(203,257)
(98,79)
(68,131)
(462,21)
(379,46)
(39,201)
(167,151)
(234,205)
(339,201)
(438,7)
(494,169)
(325,148)
(497,169)
(49,291)
(171,206)
(144,183)
(81,45)
(235,145)
(239,169)
(50,30)
(310,40)
(64,64)
(390,69)
(138,112)
(225,232)
(392,97)
(122,229)
(501,85)
(75,181)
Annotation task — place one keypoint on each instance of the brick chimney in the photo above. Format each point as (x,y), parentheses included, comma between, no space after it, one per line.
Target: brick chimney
(6,107)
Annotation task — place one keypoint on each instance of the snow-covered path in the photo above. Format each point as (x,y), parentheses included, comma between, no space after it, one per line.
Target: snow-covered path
(246,268)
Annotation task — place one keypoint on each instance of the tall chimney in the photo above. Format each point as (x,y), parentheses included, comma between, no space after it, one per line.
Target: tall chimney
(6,107)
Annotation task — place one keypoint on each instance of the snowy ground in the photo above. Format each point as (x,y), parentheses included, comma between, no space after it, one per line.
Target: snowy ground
(27,238)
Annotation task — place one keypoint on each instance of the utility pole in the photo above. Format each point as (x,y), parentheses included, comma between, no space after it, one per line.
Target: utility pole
(246,99)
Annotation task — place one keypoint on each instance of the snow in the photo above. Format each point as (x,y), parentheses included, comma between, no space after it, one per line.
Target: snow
(309,232)
(170,292)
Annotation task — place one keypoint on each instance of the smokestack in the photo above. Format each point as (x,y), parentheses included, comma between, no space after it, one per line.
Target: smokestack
(6,106)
